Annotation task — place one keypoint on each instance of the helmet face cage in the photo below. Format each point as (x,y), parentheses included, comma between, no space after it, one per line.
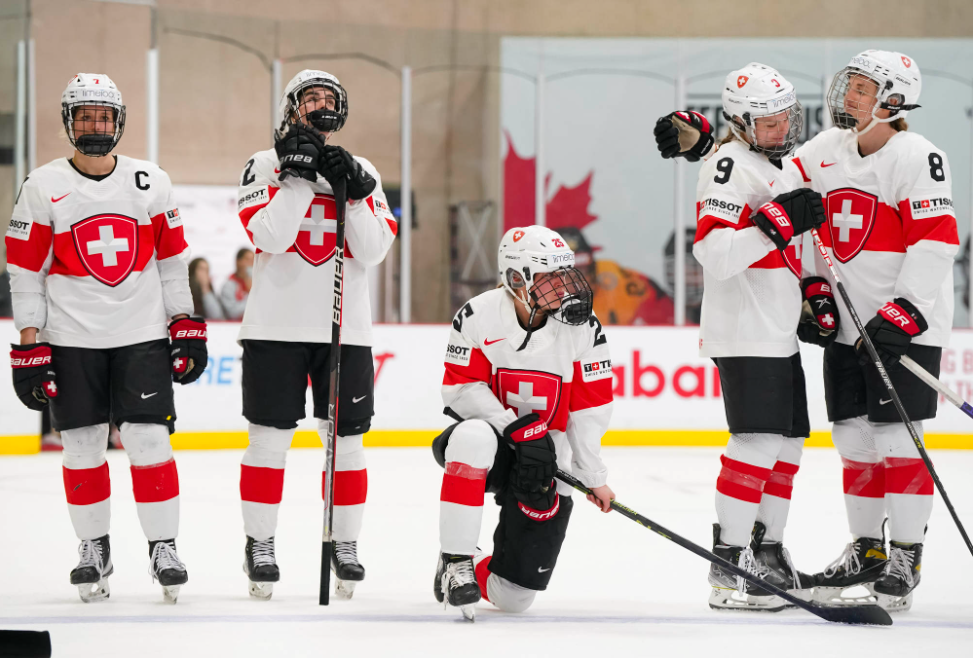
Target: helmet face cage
(779,140)
(866,104)
(321,103)
(92,141)
(564,295)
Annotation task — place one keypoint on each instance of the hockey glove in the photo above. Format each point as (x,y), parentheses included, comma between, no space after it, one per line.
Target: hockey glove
(299,151)
(684,135)
(790,214)
(337,163)
(33,374)
(188,349)
(819,316)
(892,330)
(532,475)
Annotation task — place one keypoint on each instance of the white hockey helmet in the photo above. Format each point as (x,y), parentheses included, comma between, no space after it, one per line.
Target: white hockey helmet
(87,89)
(758,91)
(898,85)
(325,120)
(530,251)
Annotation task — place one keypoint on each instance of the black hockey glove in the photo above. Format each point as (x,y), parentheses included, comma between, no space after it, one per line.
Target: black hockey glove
(684,135)
(790,214)
(819,315)
(892,330)
(337,163)
(532,475)
(33,374)
(299,151)
(188,349)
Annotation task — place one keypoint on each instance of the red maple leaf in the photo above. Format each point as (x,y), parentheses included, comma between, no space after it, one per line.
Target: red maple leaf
(568,206)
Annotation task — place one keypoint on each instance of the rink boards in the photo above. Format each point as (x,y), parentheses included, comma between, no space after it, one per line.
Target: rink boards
(665,394)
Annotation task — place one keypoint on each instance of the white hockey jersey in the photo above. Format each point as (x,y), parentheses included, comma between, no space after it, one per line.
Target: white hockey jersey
(891,229)
(97,263)
(751,291)
(292,224)
(564,375)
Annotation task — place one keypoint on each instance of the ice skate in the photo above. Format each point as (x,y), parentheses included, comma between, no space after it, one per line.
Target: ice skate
(731,592)
(456,584)
(165,566)
(774,564)
(347,570)
(91,574)
(260,565)
(850,579)
(901,576)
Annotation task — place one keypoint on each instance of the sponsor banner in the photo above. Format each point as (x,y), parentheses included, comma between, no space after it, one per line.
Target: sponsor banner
(660,385)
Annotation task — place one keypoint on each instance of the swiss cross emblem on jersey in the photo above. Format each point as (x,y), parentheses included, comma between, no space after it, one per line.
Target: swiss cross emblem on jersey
(316,240)
(107,246)
(851,216)
(792,255)
(742,80)
(529,391)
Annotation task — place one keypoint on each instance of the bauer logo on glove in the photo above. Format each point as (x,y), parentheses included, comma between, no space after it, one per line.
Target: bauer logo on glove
(188,351)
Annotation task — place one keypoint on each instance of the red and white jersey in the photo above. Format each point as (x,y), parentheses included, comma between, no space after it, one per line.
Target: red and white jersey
(564,375)
(891,229)
(292,224)
(97,263)
(751,291)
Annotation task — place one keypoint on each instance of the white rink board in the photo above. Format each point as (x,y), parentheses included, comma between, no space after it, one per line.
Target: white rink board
(660,383)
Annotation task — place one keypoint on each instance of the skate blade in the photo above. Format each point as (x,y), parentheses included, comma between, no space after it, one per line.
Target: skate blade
(170,594)
(469,612)
(94,592)
(894,603)
(806,595)
(261,591)
(862,594)
(344,589)
(730,599)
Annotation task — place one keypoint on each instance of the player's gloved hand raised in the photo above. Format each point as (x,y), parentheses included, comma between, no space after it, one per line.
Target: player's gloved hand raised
(790,214)
(33,374)
(188,349)
(819,315)
(892,330)
(337,163)
(536,458)
(299,151)
(684,134)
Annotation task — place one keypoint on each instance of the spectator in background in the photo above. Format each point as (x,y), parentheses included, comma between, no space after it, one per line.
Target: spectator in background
(234,293)
(205,302)
(6,303)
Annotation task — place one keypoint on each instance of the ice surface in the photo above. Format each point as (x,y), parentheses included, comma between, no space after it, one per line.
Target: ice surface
(618,589)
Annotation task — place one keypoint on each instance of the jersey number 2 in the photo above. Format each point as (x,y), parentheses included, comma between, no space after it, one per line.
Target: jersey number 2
(599,337)
(247,176)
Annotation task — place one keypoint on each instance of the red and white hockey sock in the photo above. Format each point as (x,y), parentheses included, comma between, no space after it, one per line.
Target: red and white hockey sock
(863,476)
(155,480)
(469,457)
(747,466)
(262,479)
(909,487)
(350,485)
(481,566)
(776,501)
(87,485)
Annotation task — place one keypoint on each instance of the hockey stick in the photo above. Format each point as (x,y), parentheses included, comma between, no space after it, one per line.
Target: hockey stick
(340,200)
(937,385)
(845,614)
(873,354)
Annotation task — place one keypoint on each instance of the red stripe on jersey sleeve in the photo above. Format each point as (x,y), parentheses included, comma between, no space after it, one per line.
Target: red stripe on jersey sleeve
(247,213)
(940,228)
(168,241)
(31,253)
(585,395)
(707,223)
(800,167)
(477,370)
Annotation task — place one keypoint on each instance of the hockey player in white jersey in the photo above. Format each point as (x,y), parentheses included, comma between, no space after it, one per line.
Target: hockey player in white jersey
(528,377)
(891,233)
(752,210)
(287,206)
(98,266)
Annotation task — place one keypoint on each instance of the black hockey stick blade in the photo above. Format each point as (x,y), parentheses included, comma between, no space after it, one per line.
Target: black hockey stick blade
(25,644)
(324,591)
(850,614)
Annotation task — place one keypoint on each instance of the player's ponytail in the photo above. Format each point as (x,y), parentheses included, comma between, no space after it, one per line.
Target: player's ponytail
(899,125)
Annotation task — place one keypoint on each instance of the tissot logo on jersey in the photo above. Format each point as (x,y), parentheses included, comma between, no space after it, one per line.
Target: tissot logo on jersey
(255,198)
(457,354)
(595,370)
(722,208)
(932,207)
(20,229)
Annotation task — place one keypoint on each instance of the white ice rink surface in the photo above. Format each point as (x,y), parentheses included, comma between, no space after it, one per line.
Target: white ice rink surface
(618,590)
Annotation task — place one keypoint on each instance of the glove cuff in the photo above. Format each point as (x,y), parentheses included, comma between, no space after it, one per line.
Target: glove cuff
(776,224)
(816,285)
(541,515)
(30,356)
(193,328)
(531,430)
(905,316)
